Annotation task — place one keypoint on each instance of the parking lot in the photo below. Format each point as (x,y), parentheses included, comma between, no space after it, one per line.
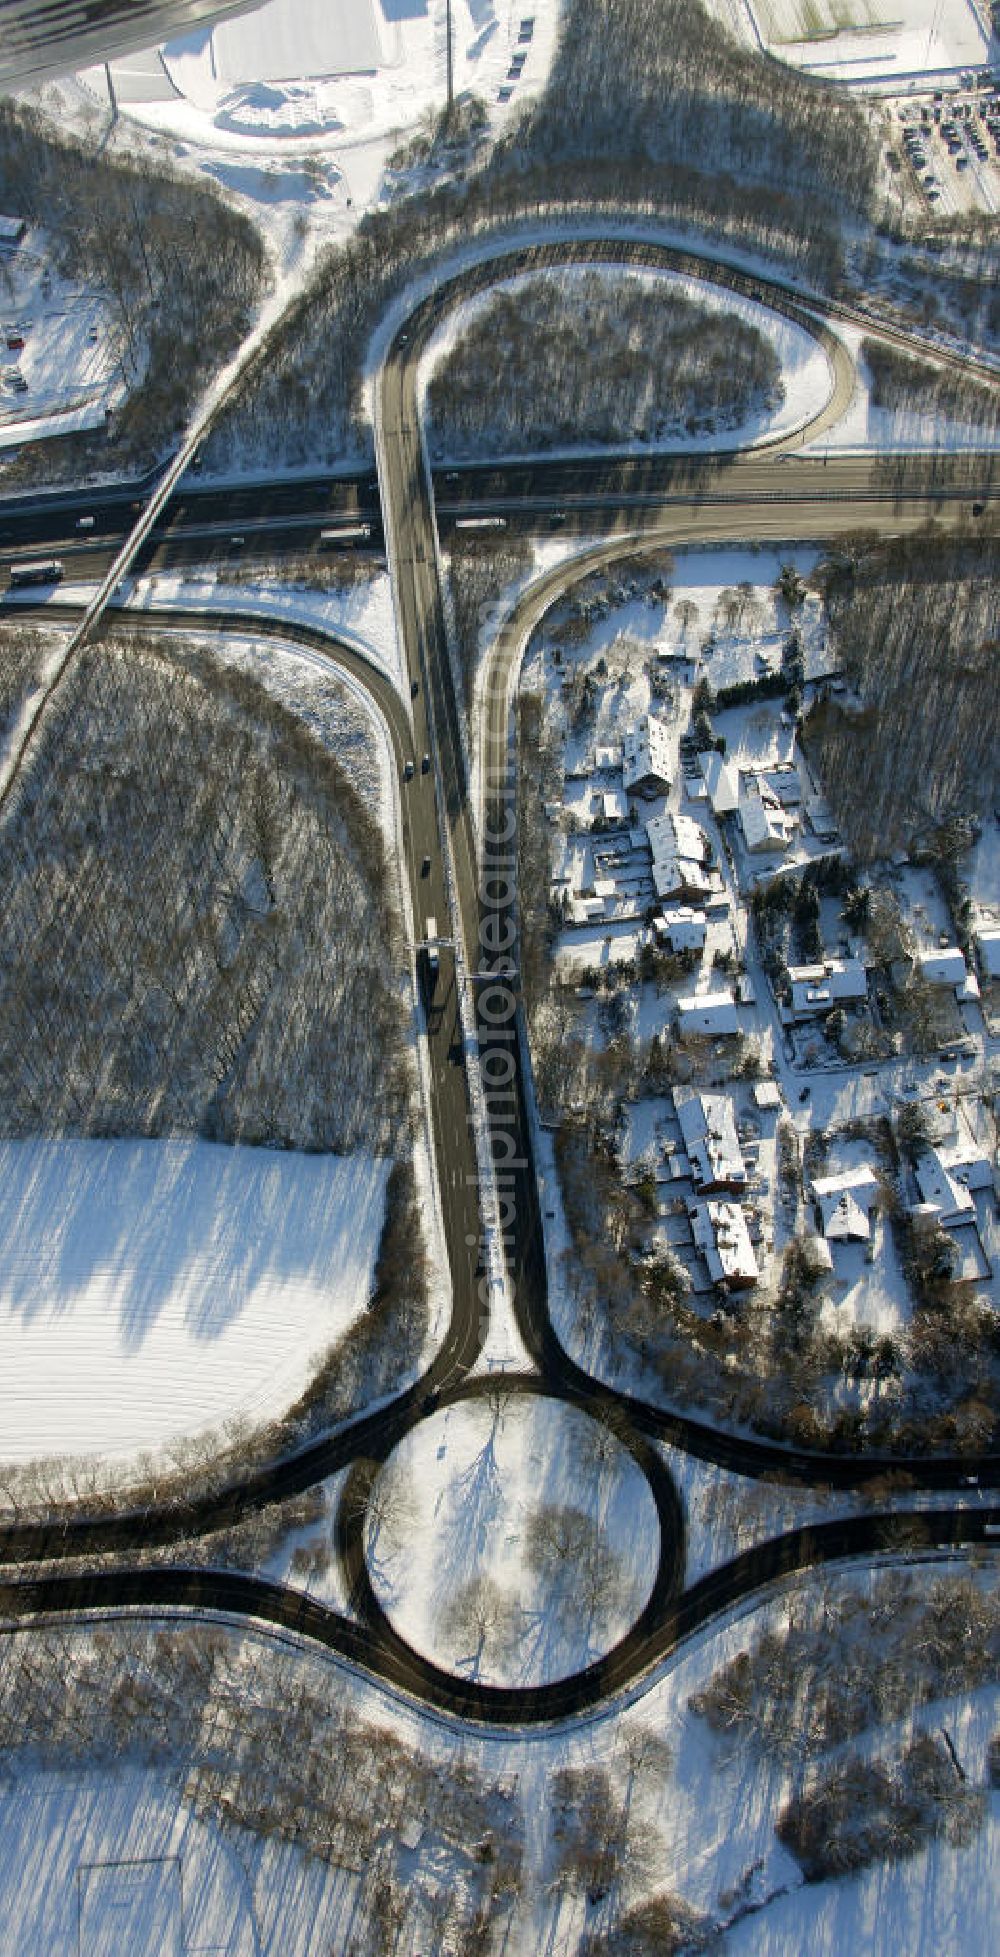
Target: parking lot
(947,149)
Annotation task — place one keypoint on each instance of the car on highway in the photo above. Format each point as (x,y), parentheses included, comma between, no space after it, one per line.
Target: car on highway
(408,771)
(425,866)
(425,765)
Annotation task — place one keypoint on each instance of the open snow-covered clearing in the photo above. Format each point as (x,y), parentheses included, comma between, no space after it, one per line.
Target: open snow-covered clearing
(512,1539)
(805,366)
(154,1289)
(362,614)
(97,1865)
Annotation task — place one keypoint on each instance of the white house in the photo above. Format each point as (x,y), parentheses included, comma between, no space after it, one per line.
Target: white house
(681,929)
(722,782)
(846,1202)
(710,1015)
(943,967)
(720,1233)
(708,1128)
(765,824)
(817,989)
(646,758)
(988,940)
(679,847)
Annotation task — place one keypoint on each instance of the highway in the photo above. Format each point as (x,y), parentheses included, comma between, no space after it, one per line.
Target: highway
(765,495)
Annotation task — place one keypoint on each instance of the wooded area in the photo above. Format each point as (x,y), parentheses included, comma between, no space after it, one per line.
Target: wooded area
(575,359)
(195,935)
(914,626)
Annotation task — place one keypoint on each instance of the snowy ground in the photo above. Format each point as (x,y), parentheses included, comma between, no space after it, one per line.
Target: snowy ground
(69,360)
(805,366)
(153,1289)
(701,1821)
(361,614)
(512,1539)
(97,1864)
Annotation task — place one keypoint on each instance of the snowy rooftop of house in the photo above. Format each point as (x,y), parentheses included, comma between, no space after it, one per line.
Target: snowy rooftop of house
(988,940)
(941,1189)
(646,752)
(815,988)
(766,1094)
(764,822)
(846,1201)
(708,1127)
(721,1234)
(721,780)
(944,967)
(709,1012)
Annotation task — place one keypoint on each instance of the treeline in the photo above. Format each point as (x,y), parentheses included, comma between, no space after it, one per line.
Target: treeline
(596,358)
(913,624)
(195,934)
(906,385)
(182,271)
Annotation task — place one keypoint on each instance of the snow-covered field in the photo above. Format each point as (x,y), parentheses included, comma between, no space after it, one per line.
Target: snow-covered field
(512,1539)
(100,1865)
(805,367)
(154,1289)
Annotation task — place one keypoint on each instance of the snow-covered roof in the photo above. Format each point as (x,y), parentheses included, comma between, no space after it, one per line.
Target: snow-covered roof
(766,1094)
(940,1189)
(943,967)
(646,753)
(708,1127)
(988,941)
(816,988)
(721,1234)
(846,1201)
(764,822)
(708,1012)
(682,926)
(721,780)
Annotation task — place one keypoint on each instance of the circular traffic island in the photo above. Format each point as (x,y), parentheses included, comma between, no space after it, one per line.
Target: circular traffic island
(511,1539)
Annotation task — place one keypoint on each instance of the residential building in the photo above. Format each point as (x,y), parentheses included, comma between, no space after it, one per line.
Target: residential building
(708,1128)
(720,1232)
(646,758)
(681,929)
(845,1204)
(988,942)
(766,825)
(945,966)
(710,1015)
(816,989)
(722,782)
(680,848)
